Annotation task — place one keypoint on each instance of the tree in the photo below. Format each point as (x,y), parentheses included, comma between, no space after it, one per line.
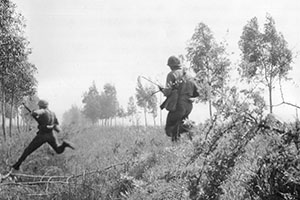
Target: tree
(265,55)
(109,102)
(21,84)
(131,108)
(146,99)
(152,107)
(17,73)
(92,108)
(121,113)
(31,102)
(73,116)
(208,59)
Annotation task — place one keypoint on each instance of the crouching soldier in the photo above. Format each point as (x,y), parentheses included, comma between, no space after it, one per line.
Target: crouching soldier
(47,123)
(179,90)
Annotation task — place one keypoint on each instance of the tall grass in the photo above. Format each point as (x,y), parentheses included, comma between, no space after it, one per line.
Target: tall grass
(103,155)
(98,147)
(234,160)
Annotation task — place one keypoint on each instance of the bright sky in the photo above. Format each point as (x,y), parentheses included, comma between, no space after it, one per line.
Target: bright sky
(76,42)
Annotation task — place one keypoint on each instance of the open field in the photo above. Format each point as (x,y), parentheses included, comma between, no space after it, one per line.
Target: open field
(120,150)
(235,160)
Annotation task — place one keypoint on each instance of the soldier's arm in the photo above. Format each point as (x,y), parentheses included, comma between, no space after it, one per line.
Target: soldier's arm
(56,125)
(37,113)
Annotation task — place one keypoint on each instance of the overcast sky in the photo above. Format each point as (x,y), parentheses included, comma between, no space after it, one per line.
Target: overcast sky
(76,42)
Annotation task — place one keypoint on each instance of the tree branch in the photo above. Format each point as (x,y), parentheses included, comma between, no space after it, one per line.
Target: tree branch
(51,179)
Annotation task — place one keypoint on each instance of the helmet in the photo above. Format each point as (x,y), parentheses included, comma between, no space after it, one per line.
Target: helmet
(173,61)
(43,103)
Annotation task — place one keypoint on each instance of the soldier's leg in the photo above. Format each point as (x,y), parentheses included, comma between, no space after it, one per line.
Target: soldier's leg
(37,141)
(170,123)
(51,140)
(187,107)
(173,123)
(176,131)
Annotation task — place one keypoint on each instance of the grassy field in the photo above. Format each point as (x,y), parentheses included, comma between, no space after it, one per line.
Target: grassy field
(98,147)
(225,160)
(104,157)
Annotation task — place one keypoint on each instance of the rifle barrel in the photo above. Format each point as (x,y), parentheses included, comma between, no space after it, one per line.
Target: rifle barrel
(150,81)
(26,107)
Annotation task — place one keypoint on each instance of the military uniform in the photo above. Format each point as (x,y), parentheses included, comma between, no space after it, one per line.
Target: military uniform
(47,122)
(182,88)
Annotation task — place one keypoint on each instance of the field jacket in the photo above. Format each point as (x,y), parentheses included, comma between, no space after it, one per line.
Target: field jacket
(179,88)
(46,119)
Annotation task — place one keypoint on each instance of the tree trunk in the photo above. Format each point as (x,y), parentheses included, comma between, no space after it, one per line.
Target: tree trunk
(160,111)
(137,120)
(18,121)
(145,114)
(270,98)
(11,112)
(210,109)
(132,119)
(209,92)
(3,107)
(3,114)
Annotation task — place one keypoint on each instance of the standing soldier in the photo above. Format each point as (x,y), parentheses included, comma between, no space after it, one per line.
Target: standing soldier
(179,90)
(47,122)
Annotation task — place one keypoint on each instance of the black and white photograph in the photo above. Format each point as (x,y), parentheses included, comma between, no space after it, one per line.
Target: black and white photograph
(149,100)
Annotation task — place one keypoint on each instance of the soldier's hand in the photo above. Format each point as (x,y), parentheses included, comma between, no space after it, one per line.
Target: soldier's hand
(34,114)
(57,128)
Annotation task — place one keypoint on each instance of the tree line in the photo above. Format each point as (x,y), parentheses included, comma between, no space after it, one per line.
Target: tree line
(17,78)
(103,107)
(265,62)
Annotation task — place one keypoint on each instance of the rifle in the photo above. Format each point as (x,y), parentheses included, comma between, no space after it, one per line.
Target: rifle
(159,87)
(150,81)
(28,109)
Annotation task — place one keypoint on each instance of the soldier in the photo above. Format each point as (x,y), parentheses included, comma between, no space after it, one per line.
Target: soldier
(47,122)
(179,90)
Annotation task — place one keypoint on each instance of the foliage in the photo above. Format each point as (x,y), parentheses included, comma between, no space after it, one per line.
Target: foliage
(91,100)
(73,116)
(17,74)
(266,57)
(121,112)
(32,103)
(146,99)
(209,60)
(131,108)
(100,106)
(108,101)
